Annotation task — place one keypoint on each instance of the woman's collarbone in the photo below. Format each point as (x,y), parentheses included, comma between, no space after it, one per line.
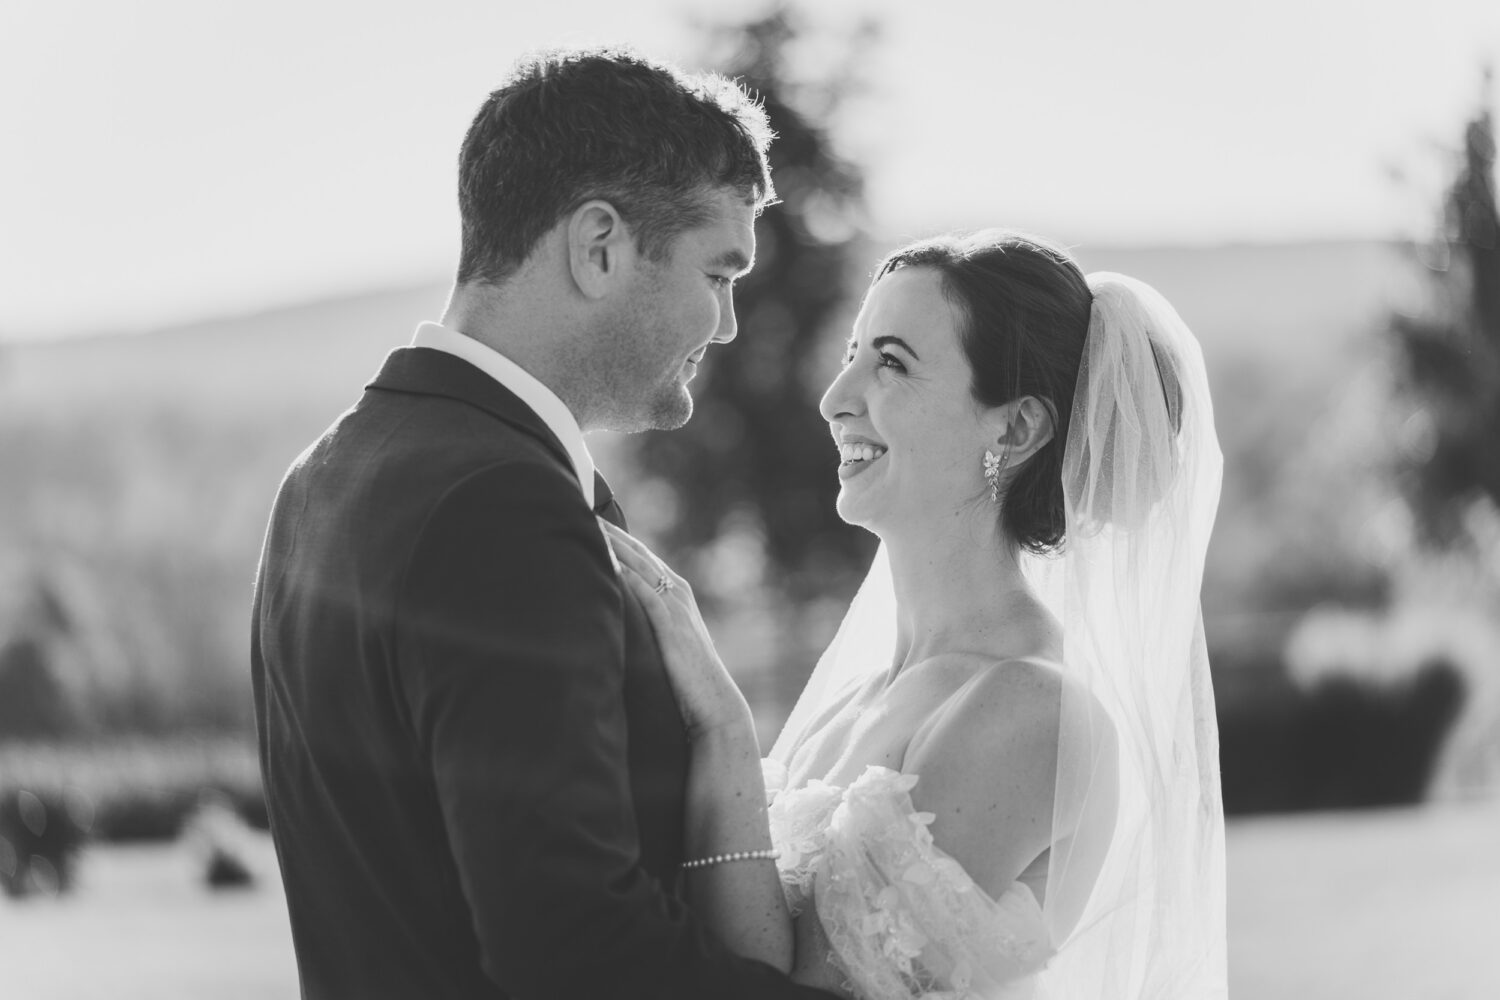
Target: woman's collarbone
(875,728)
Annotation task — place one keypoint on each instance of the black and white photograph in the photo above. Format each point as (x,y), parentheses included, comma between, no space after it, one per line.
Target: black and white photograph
(749,499)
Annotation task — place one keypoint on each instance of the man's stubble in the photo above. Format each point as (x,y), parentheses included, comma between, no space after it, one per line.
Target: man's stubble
(635,380)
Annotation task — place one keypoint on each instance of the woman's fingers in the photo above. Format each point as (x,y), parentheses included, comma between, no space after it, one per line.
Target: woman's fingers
(648,559)
(635,556)
(631,554)
(627,547)
(644,592)
(704,690)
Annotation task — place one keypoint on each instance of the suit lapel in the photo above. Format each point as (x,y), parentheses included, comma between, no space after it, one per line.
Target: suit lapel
(424,371)
(657,749)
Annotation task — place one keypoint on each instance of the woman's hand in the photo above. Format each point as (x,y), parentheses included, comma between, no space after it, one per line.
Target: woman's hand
(725,808)
(710,702)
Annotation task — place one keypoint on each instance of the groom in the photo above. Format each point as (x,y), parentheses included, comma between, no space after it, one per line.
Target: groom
(473,762)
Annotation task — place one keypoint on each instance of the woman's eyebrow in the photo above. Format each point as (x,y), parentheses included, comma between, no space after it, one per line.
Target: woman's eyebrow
(879,342)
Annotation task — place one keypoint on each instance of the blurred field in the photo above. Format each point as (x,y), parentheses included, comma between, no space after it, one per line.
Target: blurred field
(1394,905)
(141,926)
(1390,905)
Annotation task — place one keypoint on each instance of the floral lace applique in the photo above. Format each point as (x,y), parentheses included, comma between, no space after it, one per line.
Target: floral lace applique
(799,822)
(903,919)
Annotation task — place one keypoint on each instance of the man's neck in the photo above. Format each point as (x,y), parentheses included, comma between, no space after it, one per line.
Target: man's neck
(524,331)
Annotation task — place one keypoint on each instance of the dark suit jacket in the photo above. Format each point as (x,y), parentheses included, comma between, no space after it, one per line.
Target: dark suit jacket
(474,765)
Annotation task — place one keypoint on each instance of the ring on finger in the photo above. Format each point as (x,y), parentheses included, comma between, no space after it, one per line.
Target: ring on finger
(663,584)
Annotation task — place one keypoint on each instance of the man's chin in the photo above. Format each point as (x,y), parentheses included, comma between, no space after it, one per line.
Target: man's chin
(665,412)
(671,410)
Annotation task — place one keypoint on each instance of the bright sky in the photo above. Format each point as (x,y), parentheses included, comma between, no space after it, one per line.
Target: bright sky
(162,160)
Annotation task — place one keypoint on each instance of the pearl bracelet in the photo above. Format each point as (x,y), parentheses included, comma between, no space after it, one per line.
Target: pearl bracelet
(719,859)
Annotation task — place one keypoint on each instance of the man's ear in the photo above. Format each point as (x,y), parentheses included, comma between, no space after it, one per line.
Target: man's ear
(1024,428)
(600,248)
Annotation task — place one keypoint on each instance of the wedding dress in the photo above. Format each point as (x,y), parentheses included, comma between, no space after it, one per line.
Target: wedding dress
(1133,902)
(901,918)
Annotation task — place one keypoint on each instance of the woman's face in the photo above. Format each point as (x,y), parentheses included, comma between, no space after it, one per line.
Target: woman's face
(903,411)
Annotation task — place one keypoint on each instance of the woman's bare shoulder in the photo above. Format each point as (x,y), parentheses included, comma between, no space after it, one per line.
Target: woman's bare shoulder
(995,707)
(1016,709)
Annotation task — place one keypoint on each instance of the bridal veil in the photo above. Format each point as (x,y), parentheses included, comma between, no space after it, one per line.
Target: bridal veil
(1135,896)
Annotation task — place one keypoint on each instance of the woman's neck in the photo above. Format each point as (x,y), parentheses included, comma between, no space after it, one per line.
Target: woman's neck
(959,589)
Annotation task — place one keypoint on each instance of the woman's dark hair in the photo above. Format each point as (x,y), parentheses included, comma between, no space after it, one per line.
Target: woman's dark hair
(567,127)
(1024,307)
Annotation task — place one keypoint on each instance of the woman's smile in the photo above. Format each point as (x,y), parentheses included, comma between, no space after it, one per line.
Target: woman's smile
(857,454)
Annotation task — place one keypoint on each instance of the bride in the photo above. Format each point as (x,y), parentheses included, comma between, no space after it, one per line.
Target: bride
(1002,778)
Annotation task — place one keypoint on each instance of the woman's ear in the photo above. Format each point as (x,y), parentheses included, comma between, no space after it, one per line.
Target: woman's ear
(600,248)
(1022,428)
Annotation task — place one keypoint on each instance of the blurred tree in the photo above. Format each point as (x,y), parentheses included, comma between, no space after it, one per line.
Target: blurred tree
(742,498)
(35,703)
(756,461)
(1451,357)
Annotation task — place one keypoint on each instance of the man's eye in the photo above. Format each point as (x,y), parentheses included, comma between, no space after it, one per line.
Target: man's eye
(888,360)
(721,281)
(848,353)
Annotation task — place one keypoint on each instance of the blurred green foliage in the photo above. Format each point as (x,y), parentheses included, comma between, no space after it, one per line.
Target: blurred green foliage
(1381,679)
(136,474)
(41,836)
(1343,742)
(139,523)
(1451,355)
(127,789)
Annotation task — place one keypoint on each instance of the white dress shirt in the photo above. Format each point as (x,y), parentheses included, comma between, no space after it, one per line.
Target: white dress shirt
(542,400)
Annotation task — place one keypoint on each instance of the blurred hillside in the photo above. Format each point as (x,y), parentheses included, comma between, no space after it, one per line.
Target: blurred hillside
(1303,304)
(297,357)
(138,470)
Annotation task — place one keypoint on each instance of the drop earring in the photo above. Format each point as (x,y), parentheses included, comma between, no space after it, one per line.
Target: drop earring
(992,464)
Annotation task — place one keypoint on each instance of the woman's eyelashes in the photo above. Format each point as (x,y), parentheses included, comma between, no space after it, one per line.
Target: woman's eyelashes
(883,359)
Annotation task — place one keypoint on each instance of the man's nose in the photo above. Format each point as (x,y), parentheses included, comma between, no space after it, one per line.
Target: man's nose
(729,327)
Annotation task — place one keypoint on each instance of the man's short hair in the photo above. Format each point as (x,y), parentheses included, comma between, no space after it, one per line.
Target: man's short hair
(569,127)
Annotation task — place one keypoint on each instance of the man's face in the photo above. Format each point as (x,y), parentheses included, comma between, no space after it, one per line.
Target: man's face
(677,307)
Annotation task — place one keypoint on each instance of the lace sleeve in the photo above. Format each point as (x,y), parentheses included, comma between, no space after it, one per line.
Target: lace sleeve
(799,830)
(904,920)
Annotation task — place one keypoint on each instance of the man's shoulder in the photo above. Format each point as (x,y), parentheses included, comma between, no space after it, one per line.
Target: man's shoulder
(431,436)
(398,458)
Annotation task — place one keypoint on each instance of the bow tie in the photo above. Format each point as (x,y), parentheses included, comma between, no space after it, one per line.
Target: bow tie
(605,505)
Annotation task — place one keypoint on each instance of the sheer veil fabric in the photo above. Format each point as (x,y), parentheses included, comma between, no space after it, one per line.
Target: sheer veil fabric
(1135,895)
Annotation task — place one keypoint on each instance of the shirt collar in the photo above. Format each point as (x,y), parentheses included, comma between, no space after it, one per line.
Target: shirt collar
(542,400)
